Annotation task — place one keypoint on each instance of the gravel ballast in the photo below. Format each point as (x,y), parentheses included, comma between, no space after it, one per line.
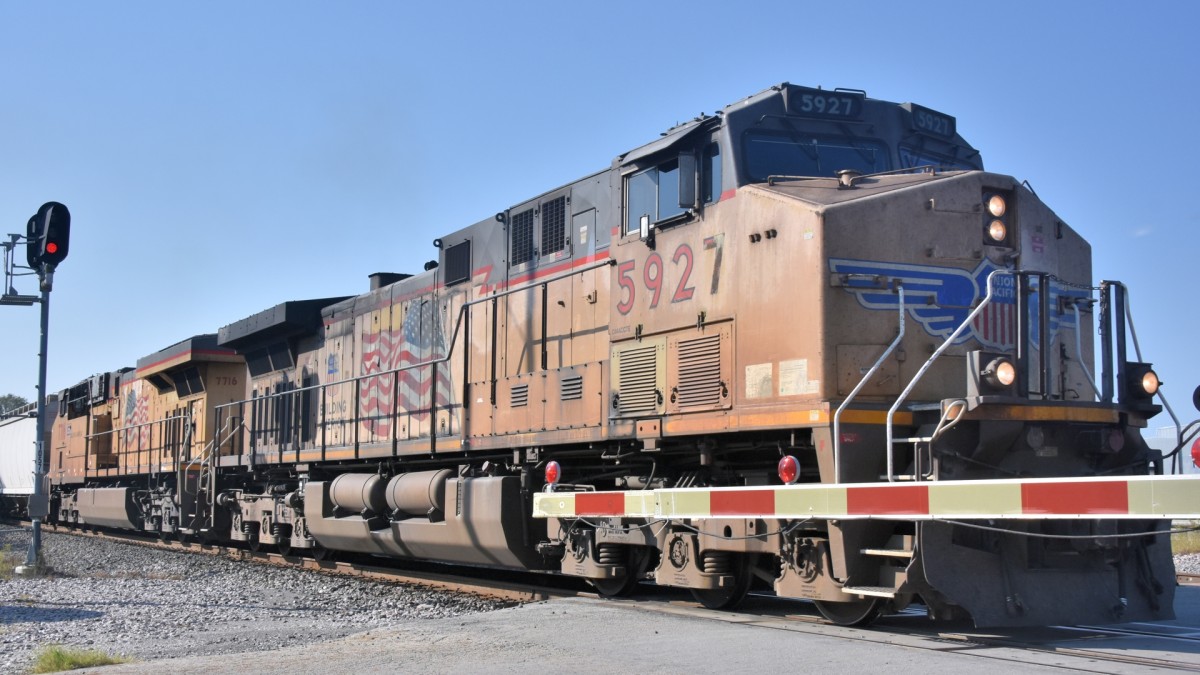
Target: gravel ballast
(153,604)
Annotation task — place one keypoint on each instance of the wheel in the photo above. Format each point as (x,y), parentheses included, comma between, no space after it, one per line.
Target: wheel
(851,613)
(321,553)
(284,545)
(636,563)
(254,544)
(742,570)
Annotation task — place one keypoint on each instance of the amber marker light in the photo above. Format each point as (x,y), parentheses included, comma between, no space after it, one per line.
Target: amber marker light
(789,469)
(997,206)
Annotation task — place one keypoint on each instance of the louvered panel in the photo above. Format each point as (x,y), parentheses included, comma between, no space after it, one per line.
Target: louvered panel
(571,388)
(638,381)
(554,225)
(699,372)
(522,238)
(519,396)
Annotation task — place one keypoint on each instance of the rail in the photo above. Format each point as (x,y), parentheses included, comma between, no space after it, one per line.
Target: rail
(298,399)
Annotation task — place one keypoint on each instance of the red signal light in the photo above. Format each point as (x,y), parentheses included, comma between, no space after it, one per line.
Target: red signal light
(789,469)
(553,473)
(1196,452)
(51,247)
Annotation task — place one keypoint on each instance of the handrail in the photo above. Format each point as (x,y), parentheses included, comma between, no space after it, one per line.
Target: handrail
(1137,349)
(1079,352)
(136,426)
(891,473)
(26,410)
(837,417)
(437,361)
(462,315)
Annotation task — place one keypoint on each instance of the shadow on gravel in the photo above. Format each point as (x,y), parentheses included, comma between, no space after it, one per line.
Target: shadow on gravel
(10,614)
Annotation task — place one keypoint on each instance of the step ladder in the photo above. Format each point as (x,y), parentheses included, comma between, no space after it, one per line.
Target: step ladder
(892,578)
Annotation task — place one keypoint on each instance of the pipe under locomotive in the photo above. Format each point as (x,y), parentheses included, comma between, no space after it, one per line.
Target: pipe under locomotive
(808,275)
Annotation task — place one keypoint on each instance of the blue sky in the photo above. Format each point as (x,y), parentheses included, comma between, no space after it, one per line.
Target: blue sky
(222,157)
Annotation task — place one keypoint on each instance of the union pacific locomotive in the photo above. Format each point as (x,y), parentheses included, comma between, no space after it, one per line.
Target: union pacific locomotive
(809,286)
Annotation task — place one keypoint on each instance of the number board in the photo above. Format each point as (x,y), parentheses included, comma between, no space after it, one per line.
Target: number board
(821,103)
(931,122)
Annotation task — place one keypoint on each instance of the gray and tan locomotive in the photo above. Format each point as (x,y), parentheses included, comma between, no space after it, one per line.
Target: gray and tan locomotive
(809,287)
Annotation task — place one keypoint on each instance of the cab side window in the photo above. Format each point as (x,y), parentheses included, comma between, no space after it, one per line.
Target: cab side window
(710,179)
(653,193)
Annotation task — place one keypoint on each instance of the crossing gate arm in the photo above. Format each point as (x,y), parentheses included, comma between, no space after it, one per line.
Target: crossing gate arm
(1174,497)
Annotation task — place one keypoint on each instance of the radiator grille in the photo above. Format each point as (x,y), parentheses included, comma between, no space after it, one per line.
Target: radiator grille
(458,263)
(638,381)
(554,226)
(571,388)
(522,237)
(700,372)
(519,396)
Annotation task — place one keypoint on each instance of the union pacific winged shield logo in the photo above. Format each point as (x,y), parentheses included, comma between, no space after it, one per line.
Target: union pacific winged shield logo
(941,298)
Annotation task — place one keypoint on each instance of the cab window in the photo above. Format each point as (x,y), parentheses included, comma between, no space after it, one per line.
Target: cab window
(710,181)
(654,193)
(775,153)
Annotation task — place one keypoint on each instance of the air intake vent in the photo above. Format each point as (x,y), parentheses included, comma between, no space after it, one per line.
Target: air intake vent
(519,397)
(522,238)
(458,263)
(554,225)
(700,372)
(571,388)
(638,381)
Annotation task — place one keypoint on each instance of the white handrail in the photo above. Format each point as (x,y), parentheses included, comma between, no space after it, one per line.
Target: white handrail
(891,473)
(837,417)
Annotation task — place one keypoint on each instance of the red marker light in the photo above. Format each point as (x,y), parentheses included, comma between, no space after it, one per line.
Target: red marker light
(553,472)
(51,247)
(789,469)
(1196,453)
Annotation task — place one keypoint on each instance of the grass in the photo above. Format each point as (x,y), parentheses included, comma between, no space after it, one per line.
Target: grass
(1186,542)
(57,658)
(9,560)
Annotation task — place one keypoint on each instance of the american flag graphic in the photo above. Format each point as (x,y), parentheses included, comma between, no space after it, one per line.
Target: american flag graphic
(137,412)
(419,340)
(996,325)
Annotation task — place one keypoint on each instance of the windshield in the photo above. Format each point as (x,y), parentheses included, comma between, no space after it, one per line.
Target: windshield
(778,153)
(910,158)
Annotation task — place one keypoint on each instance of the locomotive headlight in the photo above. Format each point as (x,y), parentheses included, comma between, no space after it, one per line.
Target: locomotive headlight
(997,231)
(997,225)
(1150,383)
(1139,384)
(1000,373)
(997,206)
(991,374)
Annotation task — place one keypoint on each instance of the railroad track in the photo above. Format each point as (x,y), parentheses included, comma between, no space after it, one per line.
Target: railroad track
(507,585)
(1046,646)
